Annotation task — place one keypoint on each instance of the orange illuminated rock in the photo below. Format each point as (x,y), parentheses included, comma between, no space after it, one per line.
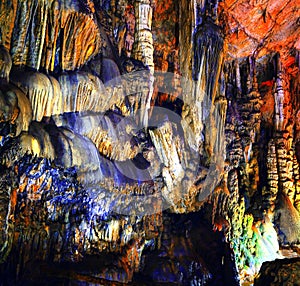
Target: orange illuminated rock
(48,34)
(259,27)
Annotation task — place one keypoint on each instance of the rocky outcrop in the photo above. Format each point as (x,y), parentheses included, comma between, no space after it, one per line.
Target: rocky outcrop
(280,271)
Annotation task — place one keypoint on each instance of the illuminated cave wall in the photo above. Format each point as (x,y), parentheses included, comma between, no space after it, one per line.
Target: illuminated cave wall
(148,142)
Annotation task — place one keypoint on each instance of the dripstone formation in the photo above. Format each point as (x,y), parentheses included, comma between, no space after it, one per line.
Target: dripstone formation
(149,142)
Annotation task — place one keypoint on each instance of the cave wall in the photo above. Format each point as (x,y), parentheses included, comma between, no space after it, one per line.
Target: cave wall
(135,133)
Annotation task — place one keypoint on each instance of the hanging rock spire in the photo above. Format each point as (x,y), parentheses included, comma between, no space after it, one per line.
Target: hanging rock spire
(143,50)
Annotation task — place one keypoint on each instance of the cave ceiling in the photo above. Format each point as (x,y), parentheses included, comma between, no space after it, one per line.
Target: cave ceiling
(260,27)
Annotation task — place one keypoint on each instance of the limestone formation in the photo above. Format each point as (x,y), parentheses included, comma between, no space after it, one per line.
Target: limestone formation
(143,49)
(49,34)
(270,192)
(82,92)
(149,142)
(280,271)
(144,46)
(44,93)
(5,63)
(114,141)
(16,112)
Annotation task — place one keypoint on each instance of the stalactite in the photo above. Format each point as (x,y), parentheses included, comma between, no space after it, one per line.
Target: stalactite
(81,39)
(30,16)
(54,105)
(50,34)
(143,50)
(114,141)
(84,180)
(186,23)
(8,11)
(82,92)
(43,91)
(208,59)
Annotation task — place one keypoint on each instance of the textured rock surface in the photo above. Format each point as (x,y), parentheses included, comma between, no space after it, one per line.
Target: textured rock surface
(5,63)
(16,112)
(49,34)
(262,26)
(65,222)
(279,272)
(112,112)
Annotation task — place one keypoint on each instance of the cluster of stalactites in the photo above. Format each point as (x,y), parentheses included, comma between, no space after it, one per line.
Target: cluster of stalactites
(81,224)
(200,108)
(49,34)
(33,97)
(282,164)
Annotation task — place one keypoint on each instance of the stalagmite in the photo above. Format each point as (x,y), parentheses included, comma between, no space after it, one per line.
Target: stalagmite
(270,192)
(285,169)
(8,204)
(169,155)
(78,152)
(297,183)
(179,166)
(279,99)
(77,223)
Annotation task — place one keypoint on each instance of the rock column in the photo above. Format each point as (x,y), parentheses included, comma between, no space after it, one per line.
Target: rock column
(143,50)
